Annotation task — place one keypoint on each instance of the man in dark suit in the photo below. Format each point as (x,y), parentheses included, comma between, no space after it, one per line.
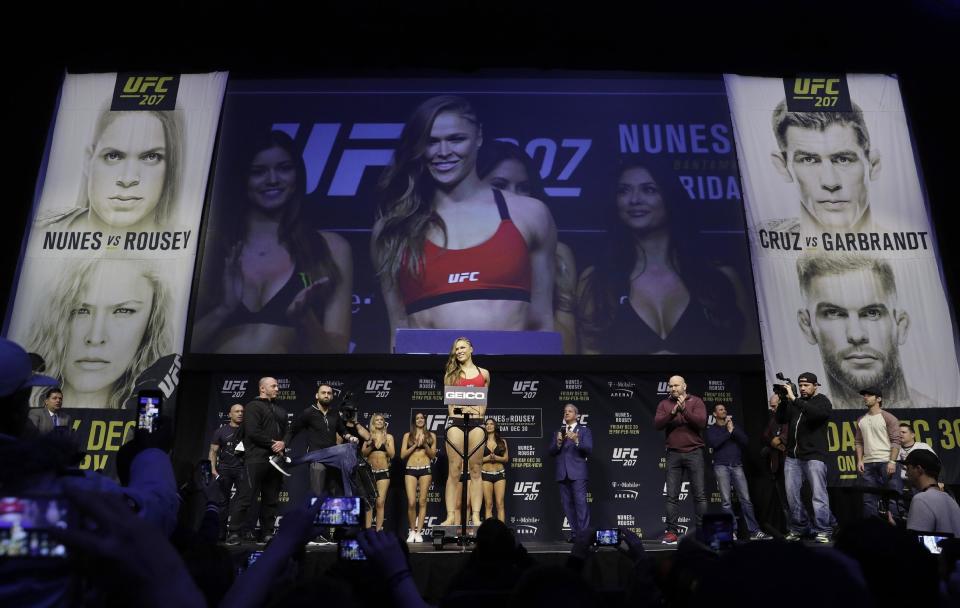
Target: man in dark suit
(51,416)
(572,445)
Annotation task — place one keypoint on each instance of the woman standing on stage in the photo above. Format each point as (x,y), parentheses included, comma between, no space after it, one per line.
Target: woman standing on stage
(494,473)
(379,450)
(418,449)
(462,371)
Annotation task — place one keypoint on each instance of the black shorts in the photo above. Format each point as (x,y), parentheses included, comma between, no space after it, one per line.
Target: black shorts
(381,474)
(494,476)
(418,472)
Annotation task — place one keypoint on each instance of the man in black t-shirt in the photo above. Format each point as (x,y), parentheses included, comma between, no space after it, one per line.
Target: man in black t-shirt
(264,424)
(227,468)
(323,423)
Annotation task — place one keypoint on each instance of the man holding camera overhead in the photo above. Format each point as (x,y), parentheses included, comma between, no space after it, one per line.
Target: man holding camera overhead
(806,418)
(323,423)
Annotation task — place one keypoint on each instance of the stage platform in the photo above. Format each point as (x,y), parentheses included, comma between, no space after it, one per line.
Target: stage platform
(433,569)
(606,569)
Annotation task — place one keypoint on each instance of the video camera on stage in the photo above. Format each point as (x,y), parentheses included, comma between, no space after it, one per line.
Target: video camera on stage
(348,411)
(781,388)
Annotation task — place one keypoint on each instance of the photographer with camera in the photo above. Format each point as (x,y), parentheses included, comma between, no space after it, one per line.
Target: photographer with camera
(323,423)
(806,418)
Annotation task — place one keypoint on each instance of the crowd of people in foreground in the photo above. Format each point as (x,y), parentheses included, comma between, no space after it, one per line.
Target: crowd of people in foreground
(133,542)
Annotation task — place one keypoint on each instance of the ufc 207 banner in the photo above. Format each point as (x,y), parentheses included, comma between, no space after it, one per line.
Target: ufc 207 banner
(845,260)
(104,275)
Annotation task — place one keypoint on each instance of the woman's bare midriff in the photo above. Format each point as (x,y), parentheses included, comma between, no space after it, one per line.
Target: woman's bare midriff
(260,338)
(504,315)
(418,458)
(378,461)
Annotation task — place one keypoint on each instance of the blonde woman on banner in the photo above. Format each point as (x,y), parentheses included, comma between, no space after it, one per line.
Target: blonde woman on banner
(102,323)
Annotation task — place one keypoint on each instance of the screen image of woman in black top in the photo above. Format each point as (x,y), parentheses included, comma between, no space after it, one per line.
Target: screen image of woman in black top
(451,252)
(379,450)
(504,166)
(270,283)
(418,449)
(494,473)
(652,291)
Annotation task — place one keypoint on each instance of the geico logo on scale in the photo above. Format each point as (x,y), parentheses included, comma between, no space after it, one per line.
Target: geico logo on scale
(465,395)
(529,490)
(378,388)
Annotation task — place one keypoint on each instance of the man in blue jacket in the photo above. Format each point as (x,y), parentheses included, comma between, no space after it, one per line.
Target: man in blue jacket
(727,442)
(572,444)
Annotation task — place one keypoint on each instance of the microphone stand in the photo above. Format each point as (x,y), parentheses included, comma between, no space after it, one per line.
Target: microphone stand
(463,539)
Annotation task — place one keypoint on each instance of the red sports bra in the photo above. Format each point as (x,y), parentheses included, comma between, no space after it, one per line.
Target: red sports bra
(496,269)
(475,381)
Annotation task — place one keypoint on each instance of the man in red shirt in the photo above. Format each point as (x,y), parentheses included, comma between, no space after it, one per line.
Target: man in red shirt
(682,417)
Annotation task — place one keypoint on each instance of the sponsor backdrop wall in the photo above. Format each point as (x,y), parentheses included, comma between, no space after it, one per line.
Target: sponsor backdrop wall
(626,474)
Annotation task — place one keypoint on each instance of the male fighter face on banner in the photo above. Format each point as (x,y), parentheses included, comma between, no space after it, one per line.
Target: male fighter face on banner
(828,156)
(851,313)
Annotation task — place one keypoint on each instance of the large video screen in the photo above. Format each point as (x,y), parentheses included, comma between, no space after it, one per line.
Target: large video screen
(599,216)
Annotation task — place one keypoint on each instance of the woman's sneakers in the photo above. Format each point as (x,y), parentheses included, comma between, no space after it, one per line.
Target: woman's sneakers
(414,537)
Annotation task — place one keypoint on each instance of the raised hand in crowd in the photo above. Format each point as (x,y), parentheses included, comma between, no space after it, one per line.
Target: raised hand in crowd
(136,562)
(253,586)
(384,551)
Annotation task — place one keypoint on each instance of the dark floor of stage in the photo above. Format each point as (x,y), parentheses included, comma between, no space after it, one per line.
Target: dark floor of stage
(432,569)
(452,548)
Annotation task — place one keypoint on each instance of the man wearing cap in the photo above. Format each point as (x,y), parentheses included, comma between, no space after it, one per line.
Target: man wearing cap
(806,419)
(51,416)
(877,440)
(932,509)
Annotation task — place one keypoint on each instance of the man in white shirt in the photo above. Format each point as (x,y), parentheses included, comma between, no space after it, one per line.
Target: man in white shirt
(877,441)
